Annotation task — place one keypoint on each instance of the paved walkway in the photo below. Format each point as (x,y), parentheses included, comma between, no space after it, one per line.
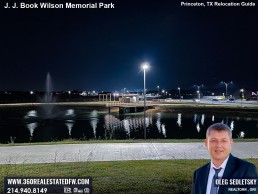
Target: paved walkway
(115,152)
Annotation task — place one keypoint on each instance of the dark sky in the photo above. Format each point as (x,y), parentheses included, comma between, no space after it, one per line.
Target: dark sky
(102,49)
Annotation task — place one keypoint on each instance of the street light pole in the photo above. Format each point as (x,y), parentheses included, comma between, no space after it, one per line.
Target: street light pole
(198,91)
(144,103)
(179,93)
(242,96)
(144,66)
(226,84)
(226,89)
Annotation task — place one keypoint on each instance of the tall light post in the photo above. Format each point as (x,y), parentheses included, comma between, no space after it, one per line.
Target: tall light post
(226,84)
(179,93)
(198,91)
(242,96)
(158,89)
(31,93)
(145,66)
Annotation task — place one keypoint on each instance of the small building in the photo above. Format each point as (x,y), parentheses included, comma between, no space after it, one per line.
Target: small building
(129,98)
(105,96)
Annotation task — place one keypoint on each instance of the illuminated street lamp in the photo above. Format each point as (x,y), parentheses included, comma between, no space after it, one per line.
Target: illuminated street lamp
(158,89)
(226,84)
(198,91)
(179,93)
(31,93)
(242,96)
(145,66)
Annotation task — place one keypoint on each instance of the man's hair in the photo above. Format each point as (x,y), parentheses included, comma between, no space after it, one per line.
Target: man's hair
(219,127)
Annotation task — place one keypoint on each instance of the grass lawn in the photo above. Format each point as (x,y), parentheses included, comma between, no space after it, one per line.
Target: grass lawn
(148,176)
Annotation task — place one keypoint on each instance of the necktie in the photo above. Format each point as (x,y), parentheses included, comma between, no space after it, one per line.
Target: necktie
(214,188)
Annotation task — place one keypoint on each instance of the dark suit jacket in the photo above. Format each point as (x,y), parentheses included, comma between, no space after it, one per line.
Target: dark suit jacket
(235,168)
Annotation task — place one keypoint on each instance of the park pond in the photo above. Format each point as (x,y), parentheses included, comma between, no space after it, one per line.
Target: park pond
(45,124)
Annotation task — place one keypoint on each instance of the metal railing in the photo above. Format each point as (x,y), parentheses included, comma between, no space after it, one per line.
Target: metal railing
(110,104)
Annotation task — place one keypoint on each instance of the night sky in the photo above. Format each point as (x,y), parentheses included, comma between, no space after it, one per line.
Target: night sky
(102,49)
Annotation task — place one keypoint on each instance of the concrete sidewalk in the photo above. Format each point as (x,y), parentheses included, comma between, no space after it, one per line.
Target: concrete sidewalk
(115,152)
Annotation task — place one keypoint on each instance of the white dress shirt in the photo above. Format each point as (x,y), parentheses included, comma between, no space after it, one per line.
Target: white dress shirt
(212,173)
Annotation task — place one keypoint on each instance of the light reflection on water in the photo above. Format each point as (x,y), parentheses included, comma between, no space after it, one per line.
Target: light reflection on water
(31,127)
(160,126)
(232,125)
(31,113)
(97,124)
(69,124)
(179,120)
(94,121)
(202,119)
(198,127)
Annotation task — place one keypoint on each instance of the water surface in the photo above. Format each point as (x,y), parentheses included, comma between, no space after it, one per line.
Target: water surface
(32,124)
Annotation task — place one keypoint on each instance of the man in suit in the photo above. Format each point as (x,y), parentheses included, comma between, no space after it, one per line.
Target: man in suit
(223,164)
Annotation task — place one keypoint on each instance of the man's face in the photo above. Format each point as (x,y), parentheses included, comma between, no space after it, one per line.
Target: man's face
(219,145)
